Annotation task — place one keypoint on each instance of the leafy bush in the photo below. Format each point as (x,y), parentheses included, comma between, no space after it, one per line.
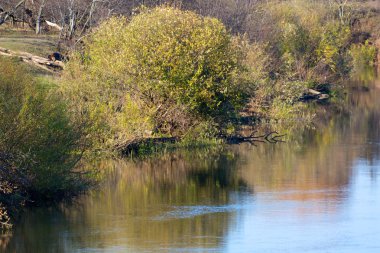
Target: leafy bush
(306,48)
(311,44)
(39,144)
(164,72)
(332,45)
(362,55)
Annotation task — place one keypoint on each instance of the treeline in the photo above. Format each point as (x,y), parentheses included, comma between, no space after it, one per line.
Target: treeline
(189,70)
(74,17)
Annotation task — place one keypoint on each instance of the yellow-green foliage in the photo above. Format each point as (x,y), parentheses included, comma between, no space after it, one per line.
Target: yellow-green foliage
(310,37)
(39,144)
(254,63)
(163,71)
(333,40)
(307,47)
(362,55)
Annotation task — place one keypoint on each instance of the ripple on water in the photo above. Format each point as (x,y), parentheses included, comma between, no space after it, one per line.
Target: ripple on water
(184,212)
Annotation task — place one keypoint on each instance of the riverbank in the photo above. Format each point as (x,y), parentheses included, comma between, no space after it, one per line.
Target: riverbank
(237,199)
(172,76)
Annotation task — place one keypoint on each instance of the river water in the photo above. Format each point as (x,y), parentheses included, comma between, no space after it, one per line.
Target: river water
(318,192)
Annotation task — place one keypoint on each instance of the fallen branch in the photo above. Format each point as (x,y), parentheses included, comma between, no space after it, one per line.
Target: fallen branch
(271,137)
(53,25)
(41,62)
(133,146)
(314,94)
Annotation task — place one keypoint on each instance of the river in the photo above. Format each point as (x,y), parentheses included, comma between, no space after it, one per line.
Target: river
(318,192)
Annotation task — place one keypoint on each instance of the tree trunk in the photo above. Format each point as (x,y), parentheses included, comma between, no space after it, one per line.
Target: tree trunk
(72,21)
(87,24)
(38,19)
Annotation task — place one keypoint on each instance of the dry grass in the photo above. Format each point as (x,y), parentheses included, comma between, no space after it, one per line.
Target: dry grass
(24,40)
(35,46)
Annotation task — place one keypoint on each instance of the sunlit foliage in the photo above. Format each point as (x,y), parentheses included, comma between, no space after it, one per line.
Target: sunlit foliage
(163,72)
(39,143)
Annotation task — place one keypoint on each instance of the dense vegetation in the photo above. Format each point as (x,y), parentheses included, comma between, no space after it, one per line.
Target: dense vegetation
(167,72)
(171,72)
(164,72)
(39,144)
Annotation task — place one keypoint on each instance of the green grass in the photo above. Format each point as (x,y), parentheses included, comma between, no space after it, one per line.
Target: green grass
(24,40)
(27,41)
(37,46)
(31,69)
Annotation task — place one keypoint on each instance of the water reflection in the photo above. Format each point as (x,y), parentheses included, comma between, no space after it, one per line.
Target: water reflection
(317,194)
(151,204)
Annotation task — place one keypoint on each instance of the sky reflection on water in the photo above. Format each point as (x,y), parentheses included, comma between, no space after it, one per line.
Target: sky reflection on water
(319,194)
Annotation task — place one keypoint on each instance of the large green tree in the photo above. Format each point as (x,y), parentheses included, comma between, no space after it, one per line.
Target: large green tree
(165,70)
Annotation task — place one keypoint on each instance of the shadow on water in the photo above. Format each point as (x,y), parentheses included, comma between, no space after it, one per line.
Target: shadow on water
(237,199)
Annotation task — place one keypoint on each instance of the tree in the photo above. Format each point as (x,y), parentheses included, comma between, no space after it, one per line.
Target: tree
(10,13)
(164,71)
(39,14)
(40,144)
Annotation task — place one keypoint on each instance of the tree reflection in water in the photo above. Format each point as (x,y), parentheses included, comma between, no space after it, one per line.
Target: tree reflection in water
(192,200)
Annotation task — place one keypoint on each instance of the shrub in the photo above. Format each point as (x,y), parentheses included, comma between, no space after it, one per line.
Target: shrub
(363,55)
(311,40)
(332,45)
(307,49)
(39,144)
(163,72)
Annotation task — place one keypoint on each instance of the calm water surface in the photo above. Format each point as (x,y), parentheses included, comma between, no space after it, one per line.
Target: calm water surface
(317,193)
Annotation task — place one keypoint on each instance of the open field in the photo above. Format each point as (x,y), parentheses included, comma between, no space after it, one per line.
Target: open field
(24,40)
(37,46)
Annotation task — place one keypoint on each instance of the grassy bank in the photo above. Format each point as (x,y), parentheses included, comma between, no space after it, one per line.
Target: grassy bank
(166,78)
(25,40)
